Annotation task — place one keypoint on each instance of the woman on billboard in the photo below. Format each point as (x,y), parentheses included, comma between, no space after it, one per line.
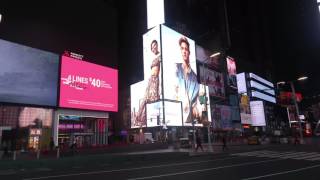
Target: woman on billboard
(152,91)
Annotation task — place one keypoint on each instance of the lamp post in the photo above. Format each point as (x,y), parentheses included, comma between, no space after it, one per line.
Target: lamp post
(293,91)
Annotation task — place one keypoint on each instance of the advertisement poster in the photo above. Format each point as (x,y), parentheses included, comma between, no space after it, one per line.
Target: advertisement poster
(245,112)
(154,114)
(179,72)
(173,117)
(221,117)
(214,80)
(257,113)
(232,72)
(138,105)
(84,85)
(28,75)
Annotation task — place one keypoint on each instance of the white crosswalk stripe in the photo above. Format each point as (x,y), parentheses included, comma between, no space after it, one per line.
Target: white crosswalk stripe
(296,155)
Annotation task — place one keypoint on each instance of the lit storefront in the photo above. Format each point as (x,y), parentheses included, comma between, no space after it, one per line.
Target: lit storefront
(25,128)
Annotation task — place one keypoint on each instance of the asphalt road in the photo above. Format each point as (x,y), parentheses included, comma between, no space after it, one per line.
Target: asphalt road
(285,162)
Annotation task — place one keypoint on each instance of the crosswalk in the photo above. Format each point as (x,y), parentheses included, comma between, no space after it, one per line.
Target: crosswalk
(297,155)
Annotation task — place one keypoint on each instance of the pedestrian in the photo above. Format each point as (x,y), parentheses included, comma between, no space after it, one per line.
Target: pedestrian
(224,143)
(296,140)
(198,141)
(51,144)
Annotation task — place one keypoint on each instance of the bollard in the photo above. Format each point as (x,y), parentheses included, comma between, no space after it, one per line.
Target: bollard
(14,155)
(58,153)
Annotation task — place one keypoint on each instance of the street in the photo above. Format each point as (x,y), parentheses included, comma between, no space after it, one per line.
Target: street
(272,162)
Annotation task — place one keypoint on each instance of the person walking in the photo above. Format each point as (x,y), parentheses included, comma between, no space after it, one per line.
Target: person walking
(224,143)
(198,142)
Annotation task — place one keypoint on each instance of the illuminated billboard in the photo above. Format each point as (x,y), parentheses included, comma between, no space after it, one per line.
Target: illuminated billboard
(245,112)
(84,85)
(154,113)
(170,94)
(222,117)
(172,116)
(138,105)
(155,13)
(232,72)
(179,71)
(152,64)
(257,113)
(241,83)
(214,80)
(28,75)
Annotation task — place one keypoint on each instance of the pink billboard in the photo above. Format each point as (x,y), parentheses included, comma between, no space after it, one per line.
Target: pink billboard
(84,85)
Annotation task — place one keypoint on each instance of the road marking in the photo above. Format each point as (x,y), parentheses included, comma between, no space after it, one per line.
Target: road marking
(128,169)
(309,156)
(284,172)
(203,170)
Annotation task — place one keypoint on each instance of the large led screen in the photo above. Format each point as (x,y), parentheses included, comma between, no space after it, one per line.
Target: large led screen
(222,117)
(172,116)
(257,113)
(154,114)
(152,64)
(138,105)
(245,112)
(155,13)
(232,72)
(28,75)
(84,85)
(179,71)
(214,80)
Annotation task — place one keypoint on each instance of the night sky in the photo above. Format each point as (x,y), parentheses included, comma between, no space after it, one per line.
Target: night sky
(292,28)
(296,43)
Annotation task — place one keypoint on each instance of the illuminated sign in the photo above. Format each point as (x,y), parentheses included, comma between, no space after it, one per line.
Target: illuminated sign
(155,13)
(84,85)
(259,79)
(35,132)
(232,72)
(257,113)
(241,83)
(262,87)
(28,75)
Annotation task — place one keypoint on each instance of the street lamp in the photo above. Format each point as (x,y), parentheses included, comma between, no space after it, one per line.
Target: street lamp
(295,102)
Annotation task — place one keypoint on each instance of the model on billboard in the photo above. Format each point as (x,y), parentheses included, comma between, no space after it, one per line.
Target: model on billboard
(187,87)
(152,91)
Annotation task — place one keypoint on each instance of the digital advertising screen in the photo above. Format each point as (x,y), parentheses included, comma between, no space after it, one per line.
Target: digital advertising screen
(172,116)
(202,108)
(214,80)
(85,85)
(138,105)
(241,83)
(154,114)
(222,117)
(155,13)
(257,113)
(179,71)
(232,72)
(245,112)
(152,64)
(28,75)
